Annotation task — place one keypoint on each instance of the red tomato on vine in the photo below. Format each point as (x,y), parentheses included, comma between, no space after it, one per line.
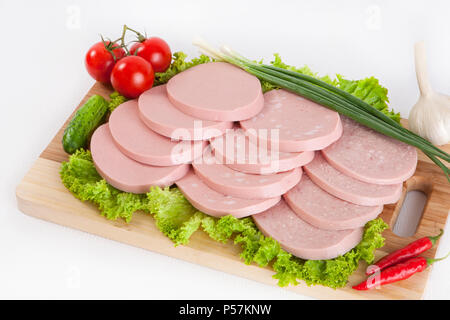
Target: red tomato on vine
(101,58)
(131,76)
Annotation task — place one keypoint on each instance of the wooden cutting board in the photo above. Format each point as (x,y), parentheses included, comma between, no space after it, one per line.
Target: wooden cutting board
(41,194)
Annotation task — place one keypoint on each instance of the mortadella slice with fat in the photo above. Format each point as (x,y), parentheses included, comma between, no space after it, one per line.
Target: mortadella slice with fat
(325,211)
(369,156)
(142,144)
(124,173)
(159,114)
(242,153)
(294,123)
(348,188)
(302,239)
(217,204)
(230,182)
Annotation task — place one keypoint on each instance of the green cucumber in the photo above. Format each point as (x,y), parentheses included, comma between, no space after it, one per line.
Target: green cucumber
(83,124)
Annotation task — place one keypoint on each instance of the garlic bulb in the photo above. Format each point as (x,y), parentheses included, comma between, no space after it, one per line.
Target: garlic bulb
(430,116)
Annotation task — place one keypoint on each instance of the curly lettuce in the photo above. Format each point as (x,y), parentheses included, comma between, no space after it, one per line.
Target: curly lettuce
(370,91)
(174,215)
(115,100)
(178,220)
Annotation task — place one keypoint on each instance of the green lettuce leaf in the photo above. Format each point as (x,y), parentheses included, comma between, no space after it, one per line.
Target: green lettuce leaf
(370,91)
(174,215)
(116,100)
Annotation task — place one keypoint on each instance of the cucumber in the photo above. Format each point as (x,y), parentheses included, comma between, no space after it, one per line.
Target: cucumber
(83,124)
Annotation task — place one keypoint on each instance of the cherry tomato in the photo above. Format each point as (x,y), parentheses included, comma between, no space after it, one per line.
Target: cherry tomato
(99,61)
(131,76)
(156,51)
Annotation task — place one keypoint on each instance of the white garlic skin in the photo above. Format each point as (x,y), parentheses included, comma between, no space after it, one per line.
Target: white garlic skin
(430,118)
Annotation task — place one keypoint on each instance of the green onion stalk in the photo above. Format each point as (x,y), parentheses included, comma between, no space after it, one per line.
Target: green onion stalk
(331,97)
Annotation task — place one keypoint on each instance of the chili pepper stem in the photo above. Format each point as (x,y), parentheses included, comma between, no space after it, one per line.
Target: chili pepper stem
(431,261)
(436,238)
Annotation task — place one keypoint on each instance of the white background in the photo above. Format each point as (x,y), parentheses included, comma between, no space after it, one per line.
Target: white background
(42,79)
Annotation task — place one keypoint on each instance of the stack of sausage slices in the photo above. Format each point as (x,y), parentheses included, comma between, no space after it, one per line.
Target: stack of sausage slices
(309,177)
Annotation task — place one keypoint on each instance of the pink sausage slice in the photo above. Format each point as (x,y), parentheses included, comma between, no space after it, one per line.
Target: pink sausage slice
(348,188)
(159,114)
(217,204)
(302,125)
(369,156)
(324,211)
(216,91)
(142,144)
(230,182)
(124,173)
(237,151)
(302,239)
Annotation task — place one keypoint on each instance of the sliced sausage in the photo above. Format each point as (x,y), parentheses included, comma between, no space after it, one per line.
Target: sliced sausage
(369,156)
(217,204)
(302,239)
(142,144)
(216,91)
(159,114)
(348,188)
(236,150)
(230,182)
(324,211)
(302,125)
(124,173)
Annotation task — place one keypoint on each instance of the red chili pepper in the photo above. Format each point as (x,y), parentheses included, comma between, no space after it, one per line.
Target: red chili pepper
(400,271)
(411,250)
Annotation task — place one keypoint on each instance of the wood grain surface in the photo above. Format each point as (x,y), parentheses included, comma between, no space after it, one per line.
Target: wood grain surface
(42,195)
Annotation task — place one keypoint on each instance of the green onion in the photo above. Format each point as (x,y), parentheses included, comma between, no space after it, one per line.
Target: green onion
(331,97)
(337,101)
(359,103)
